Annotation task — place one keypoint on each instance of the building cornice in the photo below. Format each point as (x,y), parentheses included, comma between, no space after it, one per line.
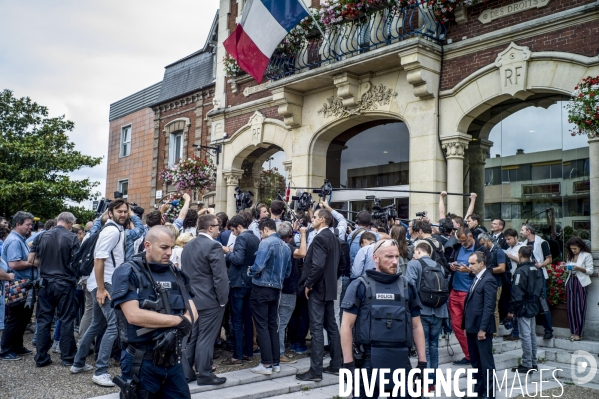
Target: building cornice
(524,30)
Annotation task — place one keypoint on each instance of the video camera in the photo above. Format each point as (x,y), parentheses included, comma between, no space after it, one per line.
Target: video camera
(303,201)
(382,212)
(104,203)
(242,200)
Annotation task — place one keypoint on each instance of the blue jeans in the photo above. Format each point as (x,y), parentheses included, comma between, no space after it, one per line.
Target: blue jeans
(161,382)
(102,316)
(286,307)
(241,320)
(432,326)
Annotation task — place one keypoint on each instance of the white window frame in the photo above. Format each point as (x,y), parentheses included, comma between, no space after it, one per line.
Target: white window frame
(120,188)
(125,147)
(172,151)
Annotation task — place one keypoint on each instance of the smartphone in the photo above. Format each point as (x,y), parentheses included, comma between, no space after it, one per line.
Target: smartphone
(570,267)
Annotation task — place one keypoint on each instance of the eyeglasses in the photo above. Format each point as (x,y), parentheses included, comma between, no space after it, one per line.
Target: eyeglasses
(215,225)
(383,242)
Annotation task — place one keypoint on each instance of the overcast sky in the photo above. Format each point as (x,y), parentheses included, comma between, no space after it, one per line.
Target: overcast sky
(78,57)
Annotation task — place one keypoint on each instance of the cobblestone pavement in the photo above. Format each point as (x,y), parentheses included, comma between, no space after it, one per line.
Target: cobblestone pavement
(22,379)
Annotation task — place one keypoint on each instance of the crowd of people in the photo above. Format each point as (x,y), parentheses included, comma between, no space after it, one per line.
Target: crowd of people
(157,296)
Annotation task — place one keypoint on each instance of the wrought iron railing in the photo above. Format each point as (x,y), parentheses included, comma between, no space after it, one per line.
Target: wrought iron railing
(358,36)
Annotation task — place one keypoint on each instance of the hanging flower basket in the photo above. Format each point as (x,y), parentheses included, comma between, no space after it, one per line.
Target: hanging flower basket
(191,174)
(231,67)
(583,108)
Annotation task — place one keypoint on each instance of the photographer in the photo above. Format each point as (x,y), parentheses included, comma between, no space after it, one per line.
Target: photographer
(363,220)
(338,227)
(53,251)
(457,220)
(277,208)
(108,255)
(15,252)
(134,230)
(259,211)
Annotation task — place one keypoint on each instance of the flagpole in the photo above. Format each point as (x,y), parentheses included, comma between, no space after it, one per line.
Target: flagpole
(312,16)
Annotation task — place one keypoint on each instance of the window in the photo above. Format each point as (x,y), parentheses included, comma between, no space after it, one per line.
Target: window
(176,145)
(492,176)
(124,188)
(126,141)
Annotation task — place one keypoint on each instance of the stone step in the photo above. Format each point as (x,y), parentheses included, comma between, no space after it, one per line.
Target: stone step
(270,388)
(566,372)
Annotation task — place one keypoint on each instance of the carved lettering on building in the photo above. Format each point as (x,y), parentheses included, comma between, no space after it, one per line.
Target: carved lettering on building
(254,89)
(524,5)
(256,124)
(513,70)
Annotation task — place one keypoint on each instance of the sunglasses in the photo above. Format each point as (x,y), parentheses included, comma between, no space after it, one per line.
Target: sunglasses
(383,242)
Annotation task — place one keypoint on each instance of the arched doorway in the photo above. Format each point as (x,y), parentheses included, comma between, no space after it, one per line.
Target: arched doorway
(371,155)
(523,161)
(264,173)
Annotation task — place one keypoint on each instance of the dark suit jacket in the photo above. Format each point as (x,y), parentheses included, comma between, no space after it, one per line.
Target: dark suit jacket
(203,261)
(320,266)
(479,309)
(241,257)
(501,243)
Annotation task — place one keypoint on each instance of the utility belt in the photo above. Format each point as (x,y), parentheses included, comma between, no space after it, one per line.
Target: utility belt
(364,352)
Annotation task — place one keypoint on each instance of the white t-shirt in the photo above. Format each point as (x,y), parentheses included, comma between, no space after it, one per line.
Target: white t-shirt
(514,252)
(110,239)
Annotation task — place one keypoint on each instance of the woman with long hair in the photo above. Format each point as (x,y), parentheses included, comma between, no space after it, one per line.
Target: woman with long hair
(398,233)
(579,267)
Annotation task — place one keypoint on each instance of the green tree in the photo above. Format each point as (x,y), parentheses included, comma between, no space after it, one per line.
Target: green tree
(36,158)
(271,182)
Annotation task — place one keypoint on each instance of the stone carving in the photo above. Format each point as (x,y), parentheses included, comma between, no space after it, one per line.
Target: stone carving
(372,99)
(455,148)
(254,89)
(232,178)
(524,5)
(513,70)
(256,124)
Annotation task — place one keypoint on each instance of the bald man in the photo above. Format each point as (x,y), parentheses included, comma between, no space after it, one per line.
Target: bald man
(150,335)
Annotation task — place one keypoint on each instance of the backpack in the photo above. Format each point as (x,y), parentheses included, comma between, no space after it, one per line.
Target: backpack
(434,289)
(344,260)
(438,254)
(83,260)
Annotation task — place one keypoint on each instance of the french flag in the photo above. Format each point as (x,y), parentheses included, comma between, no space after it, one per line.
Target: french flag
(264,24)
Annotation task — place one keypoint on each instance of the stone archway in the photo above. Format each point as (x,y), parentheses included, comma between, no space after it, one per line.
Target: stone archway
(517,73)
(258,139)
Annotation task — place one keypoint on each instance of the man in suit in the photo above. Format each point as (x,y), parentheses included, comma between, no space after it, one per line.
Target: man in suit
(480,323)
(319,279)
(497,226)
(203,261)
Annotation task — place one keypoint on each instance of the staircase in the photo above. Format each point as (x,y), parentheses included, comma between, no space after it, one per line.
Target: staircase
(553,354)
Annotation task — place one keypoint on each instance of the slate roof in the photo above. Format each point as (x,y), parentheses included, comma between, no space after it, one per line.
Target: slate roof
(189,74)
(135,102)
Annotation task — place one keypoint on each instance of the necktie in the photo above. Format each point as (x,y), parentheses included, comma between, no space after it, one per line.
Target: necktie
(473,284)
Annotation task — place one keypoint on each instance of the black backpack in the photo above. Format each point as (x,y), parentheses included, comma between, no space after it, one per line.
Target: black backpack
(83,260)
(344,262)
(438,255)
(434,289)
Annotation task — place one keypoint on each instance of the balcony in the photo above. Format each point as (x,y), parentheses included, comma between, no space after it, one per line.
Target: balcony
(356,37)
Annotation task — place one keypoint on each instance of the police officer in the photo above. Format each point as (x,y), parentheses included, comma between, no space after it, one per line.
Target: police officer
(382,342)
(154,312)
(527,286)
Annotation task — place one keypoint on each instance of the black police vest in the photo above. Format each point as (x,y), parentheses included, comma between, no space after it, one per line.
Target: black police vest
(384,320)
(167,279)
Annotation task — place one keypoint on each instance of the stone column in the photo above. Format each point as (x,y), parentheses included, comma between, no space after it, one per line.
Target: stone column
(232,177)
(455,146)
(591,329)
(478,152)
(287,166)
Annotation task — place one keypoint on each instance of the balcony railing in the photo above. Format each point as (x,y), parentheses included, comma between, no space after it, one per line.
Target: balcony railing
(355,37)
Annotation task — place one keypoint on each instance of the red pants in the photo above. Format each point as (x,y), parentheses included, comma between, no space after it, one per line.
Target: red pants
(456,311)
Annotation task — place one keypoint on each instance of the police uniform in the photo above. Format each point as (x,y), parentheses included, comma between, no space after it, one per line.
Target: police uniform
(160,374)
(384,305)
